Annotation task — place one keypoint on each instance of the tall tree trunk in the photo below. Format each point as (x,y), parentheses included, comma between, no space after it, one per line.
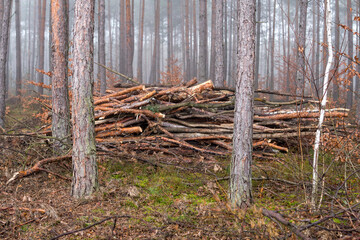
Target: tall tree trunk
(110,36)
(187,42)
(225,40)
(272,50)
(122,37)
(203,39)
(129,40)
(101,46)
(213,40)
(4,40)
(85,180)
(240,170)
(42,17)
(317,57)
(258,33)
(288,51)
(141,42)
(300,57)
(18,49)
(219,47)
(1,12)
(61,126)
(155,63)
(337,49)
(195,42)
(315,175)
(349,96)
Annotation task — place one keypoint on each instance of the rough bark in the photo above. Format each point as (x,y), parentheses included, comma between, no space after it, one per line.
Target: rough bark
(272,50)
(41,44)
(61,126)
(18,49)
(240,171)
(155,63)
(258,32)
(101,46)
(337,48)
(195,43)
(300,57)
(141,43)
(129,40)
(122,60)
(213,39)
(203,56)
(5,22)
(85,180)
(1,12)
(219,47)
(349,21)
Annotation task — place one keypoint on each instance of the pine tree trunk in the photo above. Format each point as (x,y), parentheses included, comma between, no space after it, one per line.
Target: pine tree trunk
(225,40)
(300,57)
(337,49)
(18,49)
(195,43)
(4,41)
(213,40)
(110,36)
(258,33)
(349,95)
(155,66)
(203,49)
(219,47)
(240,170)
(85,180)
(141,43)
(101,46)
(187,42)
(122,37)
(61,126)
(42,17)
(129,40)
(272,50)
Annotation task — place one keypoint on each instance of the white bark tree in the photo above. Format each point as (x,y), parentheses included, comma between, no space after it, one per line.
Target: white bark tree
(315,180)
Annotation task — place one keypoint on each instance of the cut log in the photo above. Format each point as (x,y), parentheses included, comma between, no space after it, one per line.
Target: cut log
(120,131)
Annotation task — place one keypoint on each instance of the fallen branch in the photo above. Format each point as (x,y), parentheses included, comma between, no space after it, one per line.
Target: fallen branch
(36,168)
(279,218)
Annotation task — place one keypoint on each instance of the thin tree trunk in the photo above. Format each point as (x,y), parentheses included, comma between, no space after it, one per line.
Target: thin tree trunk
(225,41)
(315,175)
(272,50)
(337,49)
(195,43)
(300,57)
(42,17)
(4,40)
(288,51)
(18,49)
(349,96)
(129,40)
(122,37)
(187,42)
(213,40)
(101,46)
(317,68)
(257,55)
(219,47)
(140,42)
(85,180)
(155,57)
(203,38)
(61,126)
(110,36)
(240,170)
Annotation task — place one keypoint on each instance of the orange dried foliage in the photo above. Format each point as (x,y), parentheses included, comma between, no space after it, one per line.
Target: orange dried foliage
(43,72)
(173,75)
(39,84)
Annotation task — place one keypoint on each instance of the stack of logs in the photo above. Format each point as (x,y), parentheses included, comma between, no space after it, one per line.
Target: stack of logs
(196,118)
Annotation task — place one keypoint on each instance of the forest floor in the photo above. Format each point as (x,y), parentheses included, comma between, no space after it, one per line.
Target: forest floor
(181,198)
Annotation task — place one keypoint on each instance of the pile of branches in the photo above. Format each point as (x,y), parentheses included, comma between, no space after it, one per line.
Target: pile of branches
(197,117)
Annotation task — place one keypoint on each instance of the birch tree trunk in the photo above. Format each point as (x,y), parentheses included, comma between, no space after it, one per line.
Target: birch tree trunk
(240,171)
(315,175)
(101,45)
(18,49)
(61,126)
(203,46)
(85,180)
(4,40)
(219,47)
(337,48)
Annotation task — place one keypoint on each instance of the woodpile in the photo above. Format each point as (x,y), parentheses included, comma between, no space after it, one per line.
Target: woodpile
(196,118)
